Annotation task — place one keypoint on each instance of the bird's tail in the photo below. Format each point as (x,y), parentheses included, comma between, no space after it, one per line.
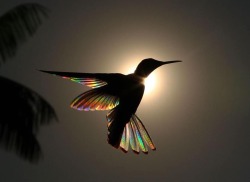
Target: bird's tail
(132,133)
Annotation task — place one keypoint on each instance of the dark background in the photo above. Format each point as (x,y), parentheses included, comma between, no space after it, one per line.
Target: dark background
(199,118)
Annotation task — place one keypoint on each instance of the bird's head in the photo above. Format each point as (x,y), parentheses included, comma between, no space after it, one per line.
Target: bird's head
(146,66)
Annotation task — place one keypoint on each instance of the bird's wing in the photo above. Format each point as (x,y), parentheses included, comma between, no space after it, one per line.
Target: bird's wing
(95,99)
(102,98)
(93,80)
(134,134)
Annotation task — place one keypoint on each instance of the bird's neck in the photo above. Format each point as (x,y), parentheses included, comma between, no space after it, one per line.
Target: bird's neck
(136,77)
(141,73)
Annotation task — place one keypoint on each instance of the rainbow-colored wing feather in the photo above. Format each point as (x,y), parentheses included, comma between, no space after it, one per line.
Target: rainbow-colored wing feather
(90,82)
(94,100)
(93,80)
(137,136)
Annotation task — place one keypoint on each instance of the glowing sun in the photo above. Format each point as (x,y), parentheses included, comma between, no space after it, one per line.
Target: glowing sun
(149,82)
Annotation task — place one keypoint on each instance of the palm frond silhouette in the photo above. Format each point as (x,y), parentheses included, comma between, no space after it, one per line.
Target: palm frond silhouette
(121,95)
(22,110)
(17,25)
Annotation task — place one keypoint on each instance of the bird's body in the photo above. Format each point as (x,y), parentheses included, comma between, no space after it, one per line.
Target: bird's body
(130,92)
(121,94)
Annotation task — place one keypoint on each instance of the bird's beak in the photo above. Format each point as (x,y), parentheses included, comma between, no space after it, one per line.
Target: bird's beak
(160,63)
(169,62)
(146,66)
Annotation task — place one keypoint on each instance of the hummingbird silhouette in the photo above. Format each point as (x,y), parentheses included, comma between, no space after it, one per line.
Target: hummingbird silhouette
(121,95)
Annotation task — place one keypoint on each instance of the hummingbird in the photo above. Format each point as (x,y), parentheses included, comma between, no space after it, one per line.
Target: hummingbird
(121,95)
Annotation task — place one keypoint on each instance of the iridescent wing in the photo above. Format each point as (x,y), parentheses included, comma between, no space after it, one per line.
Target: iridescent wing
(137,136)
(100,97)
(93,80)
(95,100)
(90,82)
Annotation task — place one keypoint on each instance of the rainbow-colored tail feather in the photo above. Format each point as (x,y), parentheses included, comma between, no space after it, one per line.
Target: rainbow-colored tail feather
(136,135)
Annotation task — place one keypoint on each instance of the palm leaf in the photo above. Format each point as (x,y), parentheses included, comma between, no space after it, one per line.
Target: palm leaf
(17,25)
(22,112)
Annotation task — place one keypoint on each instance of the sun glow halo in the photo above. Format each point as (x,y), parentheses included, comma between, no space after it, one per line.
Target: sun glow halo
(149,82)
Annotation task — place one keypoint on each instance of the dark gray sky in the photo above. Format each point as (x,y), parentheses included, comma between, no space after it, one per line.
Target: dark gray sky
(199,118)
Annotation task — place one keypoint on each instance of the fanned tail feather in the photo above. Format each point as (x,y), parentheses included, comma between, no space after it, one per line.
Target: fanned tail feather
(144,133)
(137,136)
(124,144)
(133,133)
